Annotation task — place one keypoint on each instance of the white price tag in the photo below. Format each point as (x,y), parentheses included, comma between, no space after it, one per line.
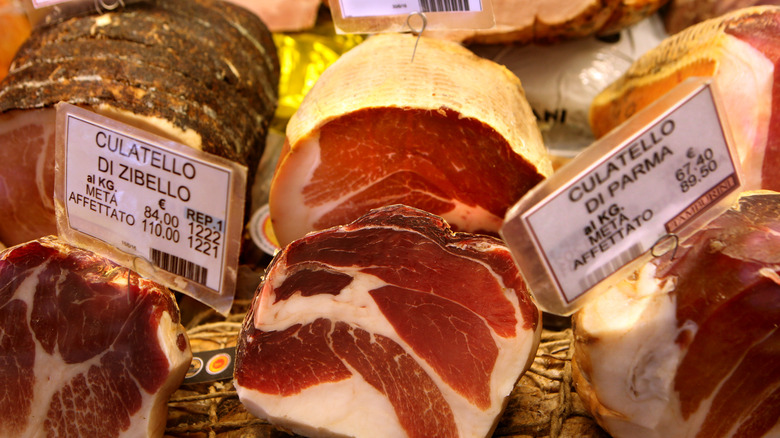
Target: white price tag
(153,199)
(361,8)
(360,16)
(656,178)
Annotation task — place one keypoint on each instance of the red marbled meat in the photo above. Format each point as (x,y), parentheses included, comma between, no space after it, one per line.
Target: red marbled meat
(87,348)
(407,328)
(691,347)
(459,143)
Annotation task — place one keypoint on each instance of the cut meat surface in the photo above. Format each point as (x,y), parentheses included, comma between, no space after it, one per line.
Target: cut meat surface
(690,347)
(87,348)
(460,143)
(741,52)
(407,328)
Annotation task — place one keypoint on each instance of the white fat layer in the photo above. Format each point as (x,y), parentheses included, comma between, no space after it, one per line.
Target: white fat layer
(52,372)
(748,76)
(356,307)
(327,410)
(291,217)
(635,325)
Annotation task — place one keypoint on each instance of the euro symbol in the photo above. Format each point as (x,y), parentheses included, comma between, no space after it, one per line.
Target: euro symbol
(161,203)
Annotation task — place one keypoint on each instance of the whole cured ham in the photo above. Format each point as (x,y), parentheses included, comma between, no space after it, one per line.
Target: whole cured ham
(690,346)
(87,348)
(392,325)
(379,128)
(741,52)
(679,14)
(552,21)
(203,73)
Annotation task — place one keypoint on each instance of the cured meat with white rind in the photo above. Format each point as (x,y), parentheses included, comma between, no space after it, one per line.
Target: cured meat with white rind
(87,348)
(390,326)
(689,346)
(379,129)
(740,51)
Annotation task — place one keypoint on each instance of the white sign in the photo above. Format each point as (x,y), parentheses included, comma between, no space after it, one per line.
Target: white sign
(648,187)
(169,205)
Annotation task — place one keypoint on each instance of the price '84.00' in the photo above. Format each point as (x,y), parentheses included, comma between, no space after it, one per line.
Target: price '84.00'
(695,171)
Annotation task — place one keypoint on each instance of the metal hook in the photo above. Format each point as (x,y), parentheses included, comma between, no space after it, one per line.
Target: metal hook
(414,31)
(662,240)
(101,5)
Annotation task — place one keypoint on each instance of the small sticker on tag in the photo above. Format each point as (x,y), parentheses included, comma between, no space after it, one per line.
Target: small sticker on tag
(211,366)
(357,16)
(665,172)
(166,210)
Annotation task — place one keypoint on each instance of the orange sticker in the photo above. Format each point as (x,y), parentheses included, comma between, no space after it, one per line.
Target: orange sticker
(218,363)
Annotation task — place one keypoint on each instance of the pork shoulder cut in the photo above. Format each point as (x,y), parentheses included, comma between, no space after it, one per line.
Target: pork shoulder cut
(379,128)
(689,346)
(390,326)
(87,348)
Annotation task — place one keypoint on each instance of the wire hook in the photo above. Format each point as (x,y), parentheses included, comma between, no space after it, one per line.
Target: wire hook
(663,241)
(414,31)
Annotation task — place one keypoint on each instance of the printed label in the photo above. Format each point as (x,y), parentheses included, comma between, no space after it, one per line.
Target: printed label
(360,8)
(163,205)
(662,178)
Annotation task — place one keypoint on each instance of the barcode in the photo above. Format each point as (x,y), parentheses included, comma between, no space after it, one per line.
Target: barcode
(444,5)
(179,266)
(601,273)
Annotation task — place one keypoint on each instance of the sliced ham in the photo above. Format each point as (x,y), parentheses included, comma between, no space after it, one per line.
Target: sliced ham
(378,129)
(392,325)
(741,52)
(200,72)
(87,348)
(690,346)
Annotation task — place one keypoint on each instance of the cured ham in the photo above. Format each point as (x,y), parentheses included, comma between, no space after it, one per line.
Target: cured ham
(379,128)
(87,348)
(284,15)
(679,14)
(392,325)
(689,346)
(551,21)
(203,73)
(741,52)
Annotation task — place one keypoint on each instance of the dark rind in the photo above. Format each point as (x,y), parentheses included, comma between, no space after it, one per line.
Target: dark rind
(200,64)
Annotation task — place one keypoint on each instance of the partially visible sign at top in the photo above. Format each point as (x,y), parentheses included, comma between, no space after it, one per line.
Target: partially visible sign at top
(359,16)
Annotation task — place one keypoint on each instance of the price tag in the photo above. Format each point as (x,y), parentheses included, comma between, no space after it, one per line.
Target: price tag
(164,209)
(359,16)
(648,184)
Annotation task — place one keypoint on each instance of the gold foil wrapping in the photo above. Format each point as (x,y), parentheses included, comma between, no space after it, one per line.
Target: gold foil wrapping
(303,57)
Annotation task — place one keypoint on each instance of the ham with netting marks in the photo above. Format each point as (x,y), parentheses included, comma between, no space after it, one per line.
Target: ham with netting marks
(87,348)
(377,129)
(392,325)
